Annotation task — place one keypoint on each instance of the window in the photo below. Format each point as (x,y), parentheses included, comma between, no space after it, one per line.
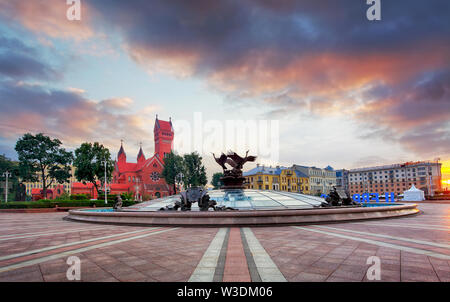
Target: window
(154,176)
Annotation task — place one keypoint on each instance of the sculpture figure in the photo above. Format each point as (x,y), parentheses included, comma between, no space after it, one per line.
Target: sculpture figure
(233,179)
(191,196)
(118,203)
(338,198)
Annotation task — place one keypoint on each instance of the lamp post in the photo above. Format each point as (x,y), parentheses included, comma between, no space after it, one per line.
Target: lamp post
(137,195)
(179,179)
(105,162)
(6,174)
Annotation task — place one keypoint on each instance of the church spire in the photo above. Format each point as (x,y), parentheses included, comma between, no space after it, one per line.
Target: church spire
(121,156)
(141,156)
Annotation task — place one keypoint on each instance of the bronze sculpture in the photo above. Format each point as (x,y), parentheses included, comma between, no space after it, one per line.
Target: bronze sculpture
(192,195)
(233,178)
(118,203)
(338,198)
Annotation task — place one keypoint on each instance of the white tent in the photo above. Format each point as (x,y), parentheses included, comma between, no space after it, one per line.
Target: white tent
(413,194)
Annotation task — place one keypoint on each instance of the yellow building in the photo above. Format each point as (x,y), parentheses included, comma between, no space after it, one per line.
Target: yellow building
(277,179)
(294,181)
(38,184)
(263,178)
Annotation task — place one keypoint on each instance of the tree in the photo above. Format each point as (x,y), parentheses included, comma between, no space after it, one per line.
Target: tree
(42,155)
(216,182)
(7,165)
(89,163)
(173,166)
(195,171)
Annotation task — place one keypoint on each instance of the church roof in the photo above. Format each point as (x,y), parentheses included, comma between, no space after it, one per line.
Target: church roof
(135,167)
(163,125)
(127,167)
(141,153)
(121,151)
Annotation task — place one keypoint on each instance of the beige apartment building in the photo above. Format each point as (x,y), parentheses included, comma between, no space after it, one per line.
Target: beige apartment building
(38,184)
(397,178)
(321,181)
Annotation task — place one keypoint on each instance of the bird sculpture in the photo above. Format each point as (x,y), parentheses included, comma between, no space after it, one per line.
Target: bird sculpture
(221,160)
(238,162)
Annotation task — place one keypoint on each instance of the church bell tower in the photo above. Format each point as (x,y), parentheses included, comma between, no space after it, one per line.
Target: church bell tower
(164,135)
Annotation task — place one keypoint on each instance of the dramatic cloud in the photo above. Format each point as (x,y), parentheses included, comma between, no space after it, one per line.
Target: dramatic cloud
(48,17)
(68,115)
(320,58)
(18,61)
(416,113)
(323,57)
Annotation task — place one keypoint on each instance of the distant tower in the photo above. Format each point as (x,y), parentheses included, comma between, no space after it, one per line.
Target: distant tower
(140,156)
(121,156)
(164,133)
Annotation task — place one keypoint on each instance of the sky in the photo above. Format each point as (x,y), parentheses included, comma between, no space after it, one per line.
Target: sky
(345,91)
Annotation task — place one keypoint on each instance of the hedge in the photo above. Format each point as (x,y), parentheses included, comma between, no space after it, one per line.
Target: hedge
(79,197)
(45,203)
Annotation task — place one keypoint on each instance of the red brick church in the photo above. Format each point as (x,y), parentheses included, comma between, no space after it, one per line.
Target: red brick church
(142,178)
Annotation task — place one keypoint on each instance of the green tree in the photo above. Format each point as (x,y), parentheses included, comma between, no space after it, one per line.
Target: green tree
(195,171)
(173,166)
(44,156)
(7,165)
(89,163)
(216,182)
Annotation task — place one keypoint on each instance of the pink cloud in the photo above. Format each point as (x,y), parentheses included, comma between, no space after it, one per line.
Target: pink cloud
(49,17)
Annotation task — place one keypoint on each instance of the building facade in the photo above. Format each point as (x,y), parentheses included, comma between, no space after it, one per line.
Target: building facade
(321,181)
(143,178)
(263,178)
(64,187)
(342,180)
(277,179)
(397,178)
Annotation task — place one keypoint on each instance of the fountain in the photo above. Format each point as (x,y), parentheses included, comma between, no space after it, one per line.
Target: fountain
(234,205)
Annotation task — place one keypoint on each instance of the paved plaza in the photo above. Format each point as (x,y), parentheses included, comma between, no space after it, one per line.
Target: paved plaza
(36,246)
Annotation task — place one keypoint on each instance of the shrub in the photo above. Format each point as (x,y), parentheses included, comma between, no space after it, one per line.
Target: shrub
(127,196)
(45,203)
(64,196)
(79,196)
(111,197)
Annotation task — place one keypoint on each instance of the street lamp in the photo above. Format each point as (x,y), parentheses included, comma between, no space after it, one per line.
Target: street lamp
(105,162)
(179,178)
(137,194)
(6,174)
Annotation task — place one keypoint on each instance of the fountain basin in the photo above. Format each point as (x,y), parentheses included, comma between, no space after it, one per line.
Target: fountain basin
(277,217)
